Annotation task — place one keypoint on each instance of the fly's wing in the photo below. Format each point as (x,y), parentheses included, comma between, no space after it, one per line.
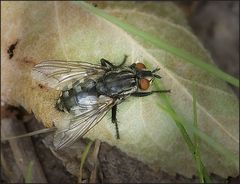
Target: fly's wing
(58,74)
(85,117)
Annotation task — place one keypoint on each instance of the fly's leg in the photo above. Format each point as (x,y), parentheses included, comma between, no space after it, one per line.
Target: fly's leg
(124,61)
(142,94)
(114,120)
(108,64)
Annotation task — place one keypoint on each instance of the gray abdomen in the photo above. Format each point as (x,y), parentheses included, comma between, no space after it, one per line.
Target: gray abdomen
(83,96)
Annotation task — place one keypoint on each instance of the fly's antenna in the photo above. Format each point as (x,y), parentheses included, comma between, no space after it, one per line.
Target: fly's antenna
(155,70)
(155,75)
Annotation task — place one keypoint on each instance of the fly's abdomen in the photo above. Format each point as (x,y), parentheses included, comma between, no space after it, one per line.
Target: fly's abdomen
(79,97)
(81,101)
(66,101)
(117,83)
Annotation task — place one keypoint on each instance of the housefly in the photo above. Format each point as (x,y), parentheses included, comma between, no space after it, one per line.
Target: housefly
(89,91)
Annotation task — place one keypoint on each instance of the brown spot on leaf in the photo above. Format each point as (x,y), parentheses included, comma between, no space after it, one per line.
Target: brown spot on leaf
(11,48)
(42,87)
(29,61)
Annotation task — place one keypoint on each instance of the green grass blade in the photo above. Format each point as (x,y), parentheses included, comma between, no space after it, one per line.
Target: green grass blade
(163,45)
(196,140)
(29,174)
(202,172)
(183,124)
(214,144)
(83,159)
(188,141)
(181,128)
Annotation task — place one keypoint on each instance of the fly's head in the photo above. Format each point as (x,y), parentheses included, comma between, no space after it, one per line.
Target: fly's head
(144,76)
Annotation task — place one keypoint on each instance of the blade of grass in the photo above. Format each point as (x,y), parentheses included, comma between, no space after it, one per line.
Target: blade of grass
(188,141)
(162,45)
(29,174)
(214,144)
(83,159)
(202,172)
(196,140)
(182,124)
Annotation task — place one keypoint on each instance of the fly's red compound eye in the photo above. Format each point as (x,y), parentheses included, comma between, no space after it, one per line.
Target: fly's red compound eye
(140,66)
(144,84)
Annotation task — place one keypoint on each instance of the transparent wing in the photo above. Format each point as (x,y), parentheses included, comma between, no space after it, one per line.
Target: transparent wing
(58,74)
(86,116)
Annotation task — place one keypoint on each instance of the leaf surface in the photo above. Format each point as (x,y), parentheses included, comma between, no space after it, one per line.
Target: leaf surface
(64,31)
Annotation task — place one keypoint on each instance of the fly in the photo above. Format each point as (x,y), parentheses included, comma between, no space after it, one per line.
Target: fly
(89,91)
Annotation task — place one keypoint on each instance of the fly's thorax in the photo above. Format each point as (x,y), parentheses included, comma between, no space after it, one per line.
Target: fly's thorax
(117,83)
